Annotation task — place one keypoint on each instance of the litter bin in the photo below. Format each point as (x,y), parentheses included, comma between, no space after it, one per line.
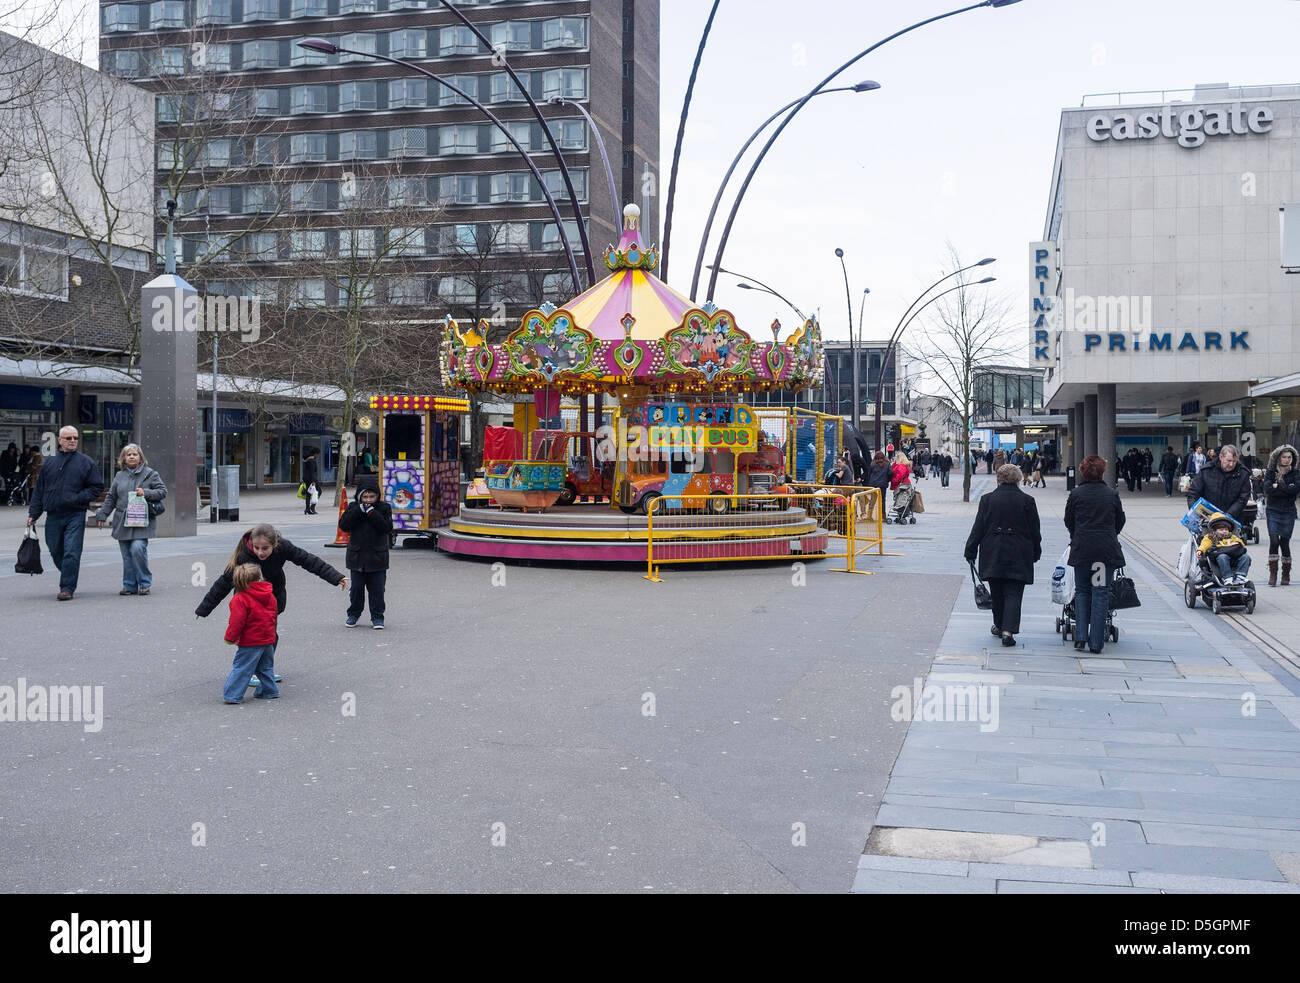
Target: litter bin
(225,493)
(1069,479)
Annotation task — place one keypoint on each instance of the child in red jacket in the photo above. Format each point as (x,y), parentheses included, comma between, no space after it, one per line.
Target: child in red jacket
(253,611)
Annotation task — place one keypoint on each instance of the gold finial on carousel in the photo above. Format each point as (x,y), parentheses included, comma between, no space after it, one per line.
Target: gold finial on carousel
(776,330)
(631,217)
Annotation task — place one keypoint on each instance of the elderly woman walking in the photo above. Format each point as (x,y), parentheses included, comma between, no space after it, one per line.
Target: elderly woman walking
(1008,540)
(134,476)
(1094,517)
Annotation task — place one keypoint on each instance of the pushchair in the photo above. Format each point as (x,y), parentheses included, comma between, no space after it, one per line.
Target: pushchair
(904,508)
(18,492)
(1249,531)
(1063,594)
(1202,579)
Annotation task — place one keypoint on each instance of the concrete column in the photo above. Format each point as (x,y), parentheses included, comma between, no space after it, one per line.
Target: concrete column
(169,410)
(1088,431)
(1069,455)
(1106,429)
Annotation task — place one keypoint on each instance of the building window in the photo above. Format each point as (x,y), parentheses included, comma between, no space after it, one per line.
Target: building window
(212,12)
(358,6)
(124,64)
(121,17)
(407,141)
(307,293)
(406,94)
(515,35)
(458,239)
(307,244)
(29,267)
(458,139)
(564,32)
(210,57)
(408,4)
(355,96)
(364,42)
(504,89)
(308,8)
(571,134)
(216,201)
(309,197)
(458,189)
(406,291)
(555,184)
(170,61)
(466,83)
(306,56)
(510,237)
(260,247)
(358,145)
(216,153)
(509,289)
(405,241)
(359,193)
(308,99)
(522,131)
(551,235)
(306,148)
(407,192)
(266,150)
(410,43)
(261,10)
(510,187)
(571,83)
(457,290)
(212,247)
(556,287)
(359,243)
(168,107)
(261,54)
(167,13)
(267,102)
(457,41)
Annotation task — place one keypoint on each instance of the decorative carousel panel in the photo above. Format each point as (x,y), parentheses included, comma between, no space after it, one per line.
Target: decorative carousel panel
(708,342)
(548,343)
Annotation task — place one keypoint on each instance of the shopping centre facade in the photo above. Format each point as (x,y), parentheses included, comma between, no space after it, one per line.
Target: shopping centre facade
(1158,298)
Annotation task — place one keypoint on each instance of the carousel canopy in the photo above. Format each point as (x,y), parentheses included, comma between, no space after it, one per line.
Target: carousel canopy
(631,330)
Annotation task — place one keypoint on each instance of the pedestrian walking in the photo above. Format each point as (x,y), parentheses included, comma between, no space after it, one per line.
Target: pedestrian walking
(67,484)
(264,546)
(1148,459)
(311,478)
(944,464)
(1195,461)
(999,460)
(988,461)
(879,475)
(9,467)
(252,627)
(1094,517)
(1168,470)
(1222,483)
(369,524)
(134,478)
(1008,541)
(1281,486)
(1131,468)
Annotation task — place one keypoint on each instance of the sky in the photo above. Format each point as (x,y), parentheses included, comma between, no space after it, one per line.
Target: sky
(956,146)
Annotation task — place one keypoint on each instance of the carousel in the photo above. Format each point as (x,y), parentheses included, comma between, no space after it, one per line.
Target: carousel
(674,375)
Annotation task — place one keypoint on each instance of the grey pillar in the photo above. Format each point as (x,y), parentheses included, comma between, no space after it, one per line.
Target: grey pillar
(1089,425)
(1106,429)
(1069,455)
(169,398)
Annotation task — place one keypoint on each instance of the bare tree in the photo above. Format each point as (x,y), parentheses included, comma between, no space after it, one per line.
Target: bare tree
(968,329)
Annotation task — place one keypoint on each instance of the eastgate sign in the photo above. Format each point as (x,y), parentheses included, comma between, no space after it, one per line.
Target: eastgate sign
(1191,127)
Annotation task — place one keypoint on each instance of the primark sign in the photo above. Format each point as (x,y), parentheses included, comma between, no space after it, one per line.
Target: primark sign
(1190,127)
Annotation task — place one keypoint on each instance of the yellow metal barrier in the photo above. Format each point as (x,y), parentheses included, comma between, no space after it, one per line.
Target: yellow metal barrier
(836,523)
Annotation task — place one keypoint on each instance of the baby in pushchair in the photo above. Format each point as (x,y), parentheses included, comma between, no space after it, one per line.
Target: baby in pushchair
(904,506)
(1222,563)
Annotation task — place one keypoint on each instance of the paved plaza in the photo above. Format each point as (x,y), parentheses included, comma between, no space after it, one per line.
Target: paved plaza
(531,728)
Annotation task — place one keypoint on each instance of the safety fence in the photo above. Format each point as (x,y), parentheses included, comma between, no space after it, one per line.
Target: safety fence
(842,523)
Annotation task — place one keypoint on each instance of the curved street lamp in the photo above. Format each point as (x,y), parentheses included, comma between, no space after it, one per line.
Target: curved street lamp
(498,57)
(768,290)
(735,208)
(864,86)
(604,155)
(853,348)
(330,48)
(902,325)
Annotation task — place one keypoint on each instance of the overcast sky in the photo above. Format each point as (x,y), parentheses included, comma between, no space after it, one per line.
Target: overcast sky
(957,145)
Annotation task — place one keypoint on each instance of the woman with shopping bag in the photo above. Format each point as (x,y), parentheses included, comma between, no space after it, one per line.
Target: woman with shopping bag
(133,502)
(1008,541)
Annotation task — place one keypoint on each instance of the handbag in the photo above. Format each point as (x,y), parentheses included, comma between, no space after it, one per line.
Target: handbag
(302,491)
(1123,592)
(983,596)
(156,508)
(29,554)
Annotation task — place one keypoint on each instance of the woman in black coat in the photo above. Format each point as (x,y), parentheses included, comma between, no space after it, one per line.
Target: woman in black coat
(1094,516)
(879,475)
(1008,540)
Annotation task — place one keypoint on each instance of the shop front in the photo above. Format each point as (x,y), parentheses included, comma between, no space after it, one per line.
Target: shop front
(233,440)
(27,413)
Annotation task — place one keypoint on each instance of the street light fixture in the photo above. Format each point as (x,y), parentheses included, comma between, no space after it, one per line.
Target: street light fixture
(853,348)
(735,208)
(330,48)
(768,290)
(604,156)
(864,86)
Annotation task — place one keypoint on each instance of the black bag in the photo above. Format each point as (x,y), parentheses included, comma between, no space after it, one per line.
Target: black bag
(29,554)
(983,597)
(1123,592)
(156,508)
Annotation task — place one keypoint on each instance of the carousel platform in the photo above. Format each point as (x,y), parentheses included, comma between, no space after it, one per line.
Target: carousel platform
(597,533)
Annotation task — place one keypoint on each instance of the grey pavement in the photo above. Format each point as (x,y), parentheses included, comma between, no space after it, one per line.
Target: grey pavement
(1169,762)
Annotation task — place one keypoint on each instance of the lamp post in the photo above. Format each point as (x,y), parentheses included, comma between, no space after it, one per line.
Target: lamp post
(864,86)
(853,348)
(768,290)
(903,323)
(735,208)
(329,48)
(498,57)
(604,156)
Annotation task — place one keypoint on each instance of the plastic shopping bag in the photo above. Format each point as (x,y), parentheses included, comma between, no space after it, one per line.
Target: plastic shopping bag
(1185,559)
(1063,580)
(313,494)
(137,512)
(1184,483)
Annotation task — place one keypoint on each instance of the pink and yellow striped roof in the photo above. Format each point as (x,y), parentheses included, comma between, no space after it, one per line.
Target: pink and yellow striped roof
(656,306)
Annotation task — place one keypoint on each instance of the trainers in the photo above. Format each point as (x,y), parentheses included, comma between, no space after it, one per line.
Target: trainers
(351,621)
(124,592)
(254,681)
(377,623)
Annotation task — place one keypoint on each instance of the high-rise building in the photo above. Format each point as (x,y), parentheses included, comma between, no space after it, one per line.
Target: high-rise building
(281,157)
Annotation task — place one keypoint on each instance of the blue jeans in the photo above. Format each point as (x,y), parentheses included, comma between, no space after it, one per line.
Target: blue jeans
(64,535)
(135,564)
(1227,569)
(1091,605)
(250,659)
(1169,482)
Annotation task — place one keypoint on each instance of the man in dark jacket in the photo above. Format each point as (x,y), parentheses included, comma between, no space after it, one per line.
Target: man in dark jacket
(1008,540)
(369,524)
(1168,470)
(69,481)
(1224,484)
(944,463)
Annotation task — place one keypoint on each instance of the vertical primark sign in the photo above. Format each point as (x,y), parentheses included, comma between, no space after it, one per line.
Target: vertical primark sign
(1043,281)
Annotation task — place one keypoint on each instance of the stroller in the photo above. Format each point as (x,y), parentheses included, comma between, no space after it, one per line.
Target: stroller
(1202,579)
(18,492)
(1063,594)
(1249,531)
(904,508)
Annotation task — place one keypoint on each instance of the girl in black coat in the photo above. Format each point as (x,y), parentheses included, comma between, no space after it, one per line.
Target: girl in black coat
(1008,540)
(1094,517)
